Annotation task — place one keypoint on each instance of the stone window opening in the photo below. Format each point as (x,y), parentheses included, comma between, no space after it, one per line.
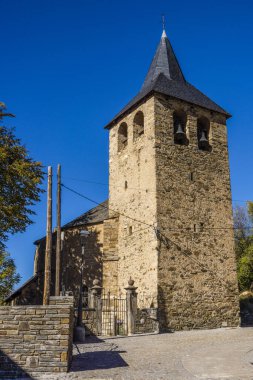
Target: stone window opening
(191,176)
(126,185)
(199,227)
(130,230)
(122,136)
(203,129)
(138,125)
(179,126)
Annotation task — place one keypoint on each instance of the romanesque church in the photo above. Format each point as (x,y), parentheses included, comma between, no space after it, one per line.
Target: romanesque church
(168,220)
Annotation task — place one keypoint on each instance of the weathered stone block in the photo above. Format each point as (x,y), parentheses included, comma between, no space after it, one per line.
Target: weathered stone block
(32,361)
(24,326)
(64,356)
(32,345)
(64,320)
(64,343)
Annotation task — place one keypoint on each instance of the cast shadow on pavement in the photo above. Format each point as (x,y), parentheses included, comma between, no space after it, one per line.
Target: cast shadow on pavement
(97,357)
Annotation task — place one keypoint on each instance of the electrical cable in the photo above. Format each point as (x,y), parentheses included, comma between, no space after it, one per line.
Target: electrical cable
(165,240)
(131,188)
(147,224)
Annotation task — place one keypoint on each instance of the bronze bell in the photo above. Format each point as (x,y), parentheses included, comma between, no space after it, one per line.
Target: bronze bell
(180,135)
(203,142)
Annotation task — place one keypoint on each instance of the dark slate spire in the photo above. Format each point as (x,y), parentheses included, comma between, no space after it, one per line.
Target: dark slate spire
(165,77)
(164,62)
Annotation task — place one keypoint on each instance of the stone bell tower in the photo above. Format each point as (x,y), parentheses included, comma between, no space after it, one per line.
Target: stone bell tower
(170,183)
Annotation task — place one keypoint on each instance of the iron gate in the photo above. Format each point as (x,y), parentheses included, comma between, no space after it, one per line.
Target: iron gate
(146,321)
(114,315)
(107,315)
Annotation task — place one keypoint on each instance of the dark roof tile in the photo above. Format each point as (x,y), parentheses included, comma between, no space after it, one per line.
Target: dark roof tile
(96,215)
(165,76)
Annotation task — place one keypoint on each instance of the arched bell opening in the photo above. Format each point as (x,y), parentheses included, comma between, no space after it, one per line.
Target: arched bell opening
(138,125)
(122,136)
(179,124)
(203,130)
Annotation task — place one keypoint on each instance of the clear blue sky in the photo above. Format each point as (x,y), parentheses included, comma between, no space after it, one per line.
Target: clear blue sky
(67,67)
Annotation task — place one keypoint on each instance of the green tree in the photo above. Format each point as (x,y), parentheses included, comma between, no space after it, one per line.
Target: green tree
(243,220)
(250,210)
(20,179)
(8,275)
(242,233)
(245,269)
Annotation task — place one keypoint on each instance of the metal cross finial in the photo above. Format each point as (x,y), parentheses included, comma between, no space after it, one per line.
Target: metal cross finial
(163,22)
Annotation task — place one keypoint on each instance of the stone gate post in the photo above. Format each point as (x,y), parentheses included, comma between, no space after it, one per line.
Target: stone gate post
(96,303)
(131,306)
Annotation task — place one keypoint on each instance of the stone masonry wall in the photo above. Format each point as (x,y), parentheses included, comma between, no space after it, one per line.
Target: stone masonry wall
(36,339)
(110,256)
(100,261)
(70,272)
(197,272)
(31,294)
(132,188)
(72,258)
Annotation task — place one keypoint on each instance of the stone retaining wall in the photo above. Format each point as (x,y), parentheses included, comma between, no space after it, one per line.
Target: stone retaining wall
(36,339)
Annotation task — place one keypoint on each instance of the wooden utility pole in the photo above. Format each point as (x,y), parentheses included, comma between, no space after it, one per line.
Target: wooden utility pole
(48,254)
(58,238)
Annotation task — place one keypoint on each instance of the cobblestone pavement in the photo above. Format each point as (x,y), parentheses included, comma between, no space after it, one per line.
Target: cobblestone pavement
(189,355)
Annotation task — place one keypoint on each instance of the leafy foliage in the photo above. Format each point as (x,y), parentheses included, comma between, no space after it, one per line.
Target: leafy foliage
(8,275)
(245,269)
(250,210)
(243,219)
(20,179)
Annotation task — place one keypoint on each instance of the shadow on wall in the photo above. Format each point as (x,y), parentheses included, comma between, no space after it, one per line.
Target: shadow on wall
(103,357)
(11,370)
(72,261)
(31,293)
(162,315)
(28,294)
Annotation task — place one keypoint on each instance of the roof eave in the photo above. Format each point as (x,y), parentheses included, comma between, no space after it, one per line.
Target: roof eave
(18,291)
(224,112)
(113,122)
(121,116)
(71,224)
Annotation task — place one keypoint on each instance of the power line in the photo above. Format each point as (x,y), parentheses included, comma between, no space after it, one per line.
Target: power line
(131,188)
(159,235)
(147,224)
(107,184)
(106,207)
(203,267)
(135,231)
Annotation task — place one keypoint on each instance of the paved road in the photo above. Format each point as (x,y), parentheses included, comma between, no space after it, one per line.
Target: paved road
(189,355)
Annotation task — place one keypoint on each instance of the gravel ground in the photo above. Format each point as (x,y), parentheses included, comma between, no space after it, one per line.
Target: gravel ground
(206,354)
